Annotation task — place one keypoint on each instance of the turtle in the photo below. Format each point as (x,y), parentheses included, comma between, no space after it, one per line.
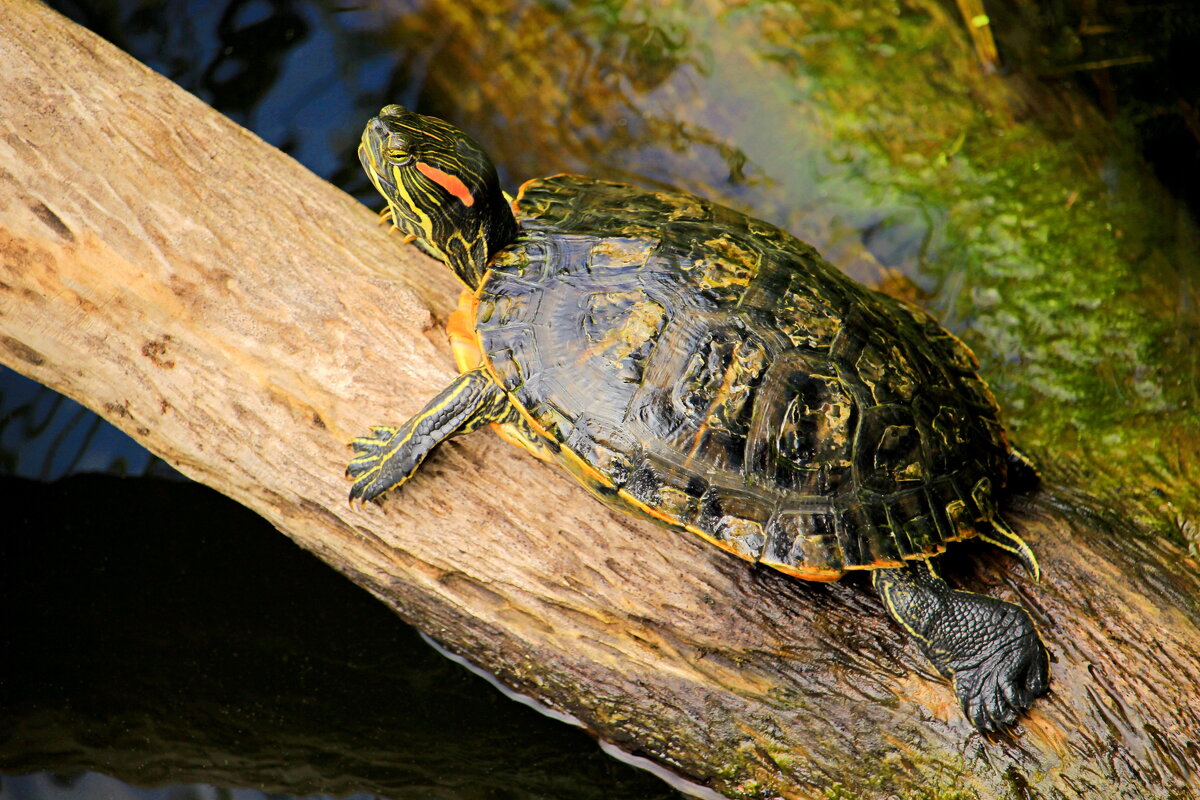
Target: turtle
(692,365)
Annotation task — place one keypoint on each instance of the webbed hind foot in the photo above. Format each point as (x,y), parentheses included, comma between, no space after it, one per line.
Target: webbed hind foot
(988,647)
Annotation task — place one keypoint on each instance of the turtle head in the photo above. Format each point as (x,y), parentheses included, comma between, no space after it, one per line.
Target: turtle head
(441,187)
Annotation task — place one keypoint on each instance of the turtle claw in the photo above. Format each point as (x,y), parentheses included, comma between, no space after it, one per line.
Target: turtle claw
(370,450)
(369,489)
(388,457)
(375,469)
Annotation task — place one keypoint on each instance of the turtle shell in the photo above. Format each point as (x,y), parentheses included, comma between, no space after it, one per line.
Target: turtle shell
(715,373)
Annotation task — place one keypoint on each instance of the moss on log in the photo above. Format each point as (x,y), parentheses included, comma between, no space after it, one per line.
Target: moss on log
(243,319)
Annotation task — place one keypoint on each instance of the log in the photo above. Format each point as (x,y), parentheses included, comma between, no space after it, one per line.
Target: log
(243,319)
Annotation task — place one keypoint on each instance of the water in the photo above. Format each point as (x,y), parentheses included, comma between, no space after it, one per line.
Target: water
(161,633)
(92,785)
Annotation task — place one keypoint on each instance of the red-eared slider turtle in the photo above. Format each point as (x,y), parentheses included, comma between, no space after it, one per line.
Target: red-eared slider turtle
(707,370)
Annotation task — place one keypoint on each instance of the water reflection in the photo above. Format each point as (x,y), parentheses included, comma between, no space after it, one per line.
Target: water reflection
(180,638)
(91,785)
(46,436)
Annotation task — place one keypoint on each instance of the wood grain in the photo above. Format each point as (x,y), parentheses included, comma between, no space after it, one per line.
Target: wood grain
(243,319)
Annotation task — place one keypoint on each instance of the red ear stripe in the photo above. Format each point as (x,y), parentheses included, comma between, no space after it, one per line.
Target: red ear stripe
(448,182)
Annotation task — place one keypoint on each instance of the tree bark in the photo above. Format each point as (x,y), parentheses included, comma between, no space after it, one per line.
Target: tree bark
(243,319)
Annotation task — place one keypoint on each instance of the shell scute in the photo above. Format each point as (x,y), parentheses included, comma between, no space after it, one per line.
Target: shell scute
(718,381)
(873,532)
(681,505)
(910,513)
(621,253)
(804,537)
(735,519)
(722,265)
(887,373)
(888,450)
(812,320)
(622,326)
(610,450)
(744,537)
(528,262)
(644,484)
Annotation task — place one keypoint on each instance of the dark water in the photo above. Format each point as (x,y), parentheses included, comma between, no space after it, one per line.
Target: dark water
(186,626)
(163,634)
(91,785)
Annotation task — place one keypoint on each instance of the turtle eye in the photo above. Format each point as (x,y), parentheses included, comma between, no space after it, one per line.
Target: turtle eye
(396,150)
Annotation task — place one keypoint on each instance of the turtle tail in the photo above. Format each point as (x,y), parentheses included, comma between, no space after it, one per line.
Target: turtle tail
(1006,538)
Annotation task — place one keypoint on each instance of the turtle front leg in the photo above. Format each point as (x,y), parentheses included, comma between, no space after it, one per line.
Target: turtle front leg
(389,456)
(988,647)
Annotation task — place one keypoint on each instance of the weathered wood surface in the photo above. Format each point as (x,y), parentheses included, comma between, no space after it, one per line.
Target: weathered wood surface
(243,319)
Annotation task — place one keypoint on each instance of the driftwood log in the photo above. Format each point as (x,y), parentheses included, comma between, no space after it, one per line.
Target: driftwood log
(243,319)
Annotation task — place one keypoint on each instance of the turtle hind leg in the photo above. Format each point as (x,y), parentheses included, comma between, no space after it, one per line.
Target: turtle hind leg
(388,457)
(989,648)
